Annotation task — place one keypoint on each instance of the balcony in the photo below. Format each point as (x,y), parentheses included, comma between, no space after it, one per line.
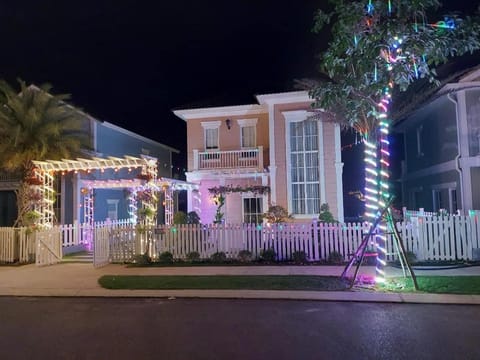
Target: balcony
(223,160)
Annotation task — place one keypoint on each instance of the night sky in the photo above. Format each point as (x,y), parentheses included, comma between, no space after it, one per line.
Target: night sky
(131,62)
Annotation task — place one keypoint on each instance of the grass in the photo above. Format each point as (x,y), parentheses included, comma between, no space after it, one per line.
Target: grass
(468,285)
(223,282)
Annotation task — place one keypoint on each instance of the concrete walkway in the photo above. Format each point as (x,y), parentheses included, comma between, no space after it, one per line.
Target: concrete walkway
(81,279)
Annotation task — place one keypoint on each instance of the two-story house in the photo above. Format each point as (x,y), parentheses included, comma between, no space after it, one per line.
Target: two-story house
(441,167)
(107,140)
(273,144)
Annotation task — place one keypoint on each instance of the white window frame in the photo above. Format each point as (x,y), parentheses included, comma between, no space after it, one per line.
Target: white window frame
(252,196)
(445,186)
(211,125)
(299,116)
(248,123)
(113,202)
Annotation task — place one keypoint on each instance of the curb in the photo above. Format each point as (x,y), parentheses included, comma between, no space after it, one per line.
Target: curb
(344,296)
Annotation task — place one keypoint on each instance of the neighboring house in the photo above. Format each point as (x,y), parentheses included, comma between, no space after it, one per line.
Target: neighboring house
(272,144)
(107,140)
(441,137)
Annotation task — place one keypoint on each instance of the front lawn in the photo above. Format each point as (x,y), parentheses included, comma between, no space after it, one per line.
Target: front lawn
(427,284)
(223,282)
(467,285)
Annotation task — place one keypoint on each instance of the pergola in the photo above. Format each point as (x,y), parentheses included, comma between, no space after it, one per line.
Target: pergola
(44,172)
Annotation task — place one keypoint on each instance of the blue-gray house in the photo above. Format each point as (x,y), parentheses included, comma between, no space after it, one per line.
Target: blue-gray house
(108,140)
(441,137)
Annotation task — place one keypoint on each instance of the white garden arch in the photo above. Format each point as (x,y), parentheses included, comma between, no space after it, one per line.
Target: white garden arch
(44,172)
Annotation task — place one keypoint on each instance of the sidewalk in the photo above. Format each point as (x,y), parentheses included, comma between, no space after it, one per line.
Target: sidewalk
(80,279)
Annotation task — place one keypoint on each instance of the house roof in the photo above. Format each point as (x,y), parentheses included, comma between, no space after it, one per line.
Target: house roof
(238,110)
(456,75)
(113,126)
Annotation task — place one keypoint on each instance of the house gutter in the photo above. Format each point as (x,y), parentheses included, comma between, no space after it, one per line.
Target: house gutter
(459,147)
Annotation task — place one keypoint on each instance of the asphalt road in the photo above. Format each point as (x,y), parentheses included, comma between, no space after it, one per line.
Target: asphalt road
(119,328)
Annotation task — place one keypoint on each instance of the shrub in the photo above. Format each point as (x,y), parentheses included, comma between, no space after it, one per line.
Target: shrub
(268,255)
(335,258)
(180,218)
(142,259)
(193,256)
(325,215)
(218,257)
(276,214)
(299,257)
(165,257)
(245,256)
(193,218)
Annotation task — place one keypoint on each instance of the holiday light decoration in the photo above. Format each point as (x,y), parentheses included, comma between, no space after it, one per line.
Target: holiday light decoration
(376,146)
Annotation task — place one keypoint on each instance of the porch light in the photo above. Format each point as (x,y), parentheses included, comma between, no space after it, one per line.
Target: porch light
(228,122)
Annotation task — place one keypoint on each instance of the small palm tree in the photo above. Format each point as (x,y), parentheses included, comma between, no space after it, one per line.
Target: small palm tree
(36,125)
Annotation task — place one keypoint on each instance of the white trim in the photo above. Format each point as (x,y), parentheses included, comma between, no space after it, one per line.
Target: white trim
(223,111)
(211,124)
(247,122)
(339,173)
(273,167)
(475,74)
(137,136)
(284,98)
(321,164)
(442,186)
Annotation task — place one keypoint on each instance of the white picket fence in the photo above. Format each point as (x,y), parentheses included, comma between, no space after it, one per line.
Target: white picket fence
(429,238)
(20,245)
(48,246)
(16,245)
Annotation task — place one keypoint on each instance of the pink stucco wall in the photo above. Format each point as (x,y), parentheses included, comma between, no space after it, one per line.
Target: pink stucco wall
(229,139)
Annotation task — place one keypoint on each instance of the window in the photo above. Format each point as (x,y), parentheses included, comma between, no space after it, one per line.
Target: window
(453,200)
(248,132)
(304,167)
(437,200)
(445,197)
(248,137)
(419,141)
(210,129)
(252,210)
(112,209)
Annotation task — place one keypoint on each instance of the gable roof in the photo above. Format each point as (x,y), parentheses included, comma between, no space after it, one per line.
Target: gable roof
(458,74)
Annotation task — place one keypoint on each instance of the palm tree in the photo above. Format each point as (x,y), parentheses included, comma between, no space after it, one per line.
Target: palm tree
(36,125)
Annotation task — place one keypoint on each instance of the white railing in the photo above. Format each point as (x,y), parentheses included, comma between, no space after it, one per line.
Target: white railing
(407,214)
(234,159)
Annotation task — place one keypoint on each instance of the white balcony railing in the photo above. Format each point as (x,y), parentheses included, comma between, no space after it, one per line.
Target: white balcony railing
(234,159)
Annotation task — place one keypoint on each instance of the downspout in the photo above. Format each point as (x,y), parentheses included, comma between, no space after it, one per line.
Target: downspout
(459,152)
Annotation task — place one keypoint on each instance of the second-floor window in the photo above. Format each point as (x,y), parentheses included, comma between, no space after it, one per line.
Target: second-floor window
(248,133)
(304,167)
(210,129)
(211,139)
